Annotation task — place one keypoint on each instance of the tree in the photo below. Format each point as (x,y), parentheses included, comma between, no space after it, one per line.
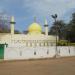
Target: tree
(4,23)
(17,32)
(71,29)
(59,25)
(25,32)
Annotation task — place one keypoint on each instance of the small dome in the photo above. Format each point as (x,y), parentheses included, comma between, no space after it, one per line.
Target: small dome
(35,28)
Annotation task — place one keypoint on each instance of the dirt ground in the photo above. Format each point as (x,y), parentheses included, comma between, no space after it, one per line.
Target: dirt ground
(59,66)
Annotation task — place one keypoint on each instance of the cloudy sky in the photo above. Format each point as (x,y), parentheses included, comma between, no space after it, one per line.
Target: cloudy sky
(25,10)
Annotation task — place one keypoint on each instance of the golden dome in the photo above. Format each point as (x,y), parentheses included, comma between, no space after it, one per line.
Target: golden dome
(35,28)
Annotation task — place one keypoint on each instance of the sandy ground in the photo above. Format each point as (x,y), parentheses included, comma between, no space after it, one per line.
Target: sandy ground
(60,66)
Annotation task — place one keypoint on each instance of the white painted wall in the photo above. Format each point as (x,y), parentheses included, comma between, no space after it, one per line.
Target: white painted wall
(21,52)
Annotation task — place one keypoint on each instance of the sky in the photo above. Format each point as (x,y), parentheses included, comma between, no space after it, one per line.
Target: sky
(24,11)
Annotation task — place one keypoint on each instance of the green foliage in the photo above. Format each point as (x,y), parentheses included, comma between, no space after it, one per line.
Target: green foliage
(63,30)
(71,44)
(65,43)
(17,32)
(71,29)
(58,28)
(62,43)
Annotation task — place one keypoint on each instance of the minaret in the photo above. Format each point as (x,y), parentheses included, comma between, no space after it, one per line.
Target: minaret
(12,23)
(46,27)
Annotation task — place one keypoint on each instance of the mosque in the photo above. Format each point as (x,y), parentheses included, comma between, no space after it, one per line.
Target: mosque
(34,37)
(33,45)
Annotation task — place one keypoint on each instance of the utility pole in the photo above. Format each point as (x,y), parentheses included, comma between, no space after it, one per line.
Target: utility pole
(55,17)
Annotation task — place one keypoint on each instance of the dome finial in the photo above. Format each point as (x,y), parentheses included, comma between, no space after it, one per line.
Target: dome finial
(34,18)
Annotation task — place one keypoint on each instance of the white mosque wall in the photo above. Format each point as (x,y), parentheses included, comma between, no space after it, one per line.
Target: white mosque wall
(66,51)
(22,38)
(17,53)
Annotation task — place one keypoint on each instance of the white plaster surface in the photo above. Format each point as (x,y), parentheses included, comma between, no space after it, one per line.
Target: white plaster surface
(21,52)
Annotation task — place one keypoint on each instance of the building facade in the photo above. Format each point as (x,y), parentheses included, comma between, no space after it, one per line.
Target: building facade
(33,45)
(34,37)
